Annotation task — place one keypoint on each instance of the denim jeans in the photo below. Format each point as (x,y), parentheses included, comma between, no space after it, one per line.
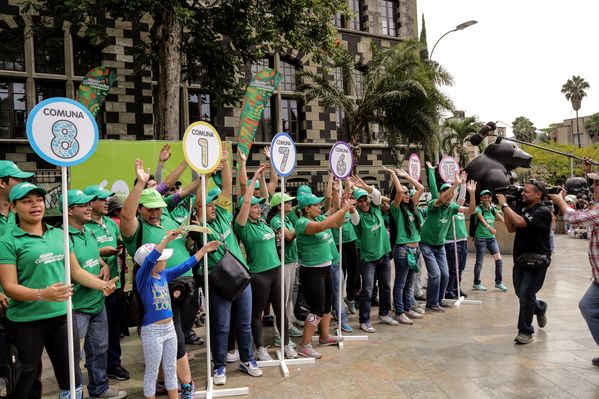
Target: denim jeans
(220,319)
(403,286)
(113,313)
(526,285)
(94,329)
(335,273)
(462,249)
(482,245)
(368,270)
(438,274)
(589,307)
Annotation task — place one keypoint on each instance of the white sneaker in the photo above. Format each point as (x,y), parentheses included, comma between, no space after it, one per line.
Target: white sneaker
(388,320)
(367,327)
(262,354)
(290,353)
(219,377)
(404,319)
(233,357)
(251,368)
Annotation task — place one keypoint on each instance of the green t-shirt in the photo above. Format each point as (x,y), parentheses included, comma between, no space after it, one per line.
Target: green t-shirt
(292,215)
(221,227)
(290,246)
(40,263)
(489,215)
(374,241)
(332,242)
(461,233)
(86,300)
(404,236)
(7,222)
(180,212)
(155,234)
(259,242)
(313,249)
(438,220)
(107,235)
(347,231)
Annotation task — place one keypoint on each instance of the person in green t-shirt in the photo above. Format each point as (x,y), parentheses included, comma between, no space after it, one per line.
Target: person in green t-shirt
(374,253)
(405,226)
(432,240)
(32,274)
(264,263)
(316,283)
(484,239)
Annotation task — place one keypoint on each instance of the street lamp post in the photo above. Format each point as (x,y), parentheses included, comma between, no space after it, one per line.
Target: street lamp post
(461,26)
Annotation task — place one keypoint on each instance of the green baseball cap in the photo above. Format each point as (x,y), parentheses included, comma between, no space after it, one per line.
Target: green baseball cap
(303,190)
(360,192)
(99,191)
(213,194)
(10,169)
(485,192)
(444,187)
(22,189)
(276,199)
(307,200)
(77,197)
(150,198)
(257,185)
(255,201)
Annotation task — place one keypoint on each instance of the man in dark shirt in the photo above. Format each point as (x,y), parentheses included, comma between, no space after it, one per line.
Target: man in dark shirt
(532,224)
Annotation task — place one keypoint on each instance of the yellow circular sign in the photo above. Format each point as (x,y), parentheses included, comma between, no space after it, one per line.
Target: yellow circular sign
(202,147)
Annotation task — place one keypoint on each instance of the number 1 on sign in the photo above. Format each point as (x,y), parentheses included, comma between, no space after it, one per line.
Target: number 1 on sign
(203,143)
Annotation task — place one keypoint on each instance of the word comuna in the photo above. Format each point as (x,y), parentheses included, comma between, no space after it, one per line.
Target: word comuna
(63,113)
(205,133)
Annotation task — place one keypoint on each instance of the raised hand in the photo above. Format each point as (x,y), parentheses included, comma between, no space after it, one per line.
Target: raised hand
(387,170)
(335,184)
(242,157)
(463,176)
(402,173)
(143,175)
(471,186)
(171,235)
(267,152)
(260,171)
(211,246)
(349,202)
(430,165)
(501,199)
(357,181)
(165,153)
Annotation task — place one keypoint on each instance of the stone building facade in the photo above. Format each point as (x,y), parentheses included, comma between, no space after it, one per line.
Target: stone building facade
(32,70)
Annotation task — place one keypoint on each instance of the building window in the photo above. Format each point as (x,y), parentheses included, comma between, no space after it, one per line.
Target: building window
(200,107)
(49,55)
(12,50)
(12,109)
(359,83)
(338,78)
(388,20)
(288,81)
(290,117)
(49,89)
(338,20)
(340,123)
(260,65)
(85,56)
(266,128)
(356,22)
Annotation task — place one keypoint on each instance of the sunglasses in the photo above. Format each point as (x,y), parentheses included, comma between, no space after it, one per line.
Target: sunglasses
(540,186)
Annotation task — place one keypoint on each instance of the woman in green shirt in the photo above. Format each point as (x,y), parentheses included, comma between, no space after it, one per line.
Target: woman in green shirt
(32,274)
(264,264)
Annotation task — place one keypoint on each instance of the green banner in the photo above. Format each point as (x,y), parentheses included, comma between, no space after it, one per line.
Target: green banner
(94,88)
(256,97)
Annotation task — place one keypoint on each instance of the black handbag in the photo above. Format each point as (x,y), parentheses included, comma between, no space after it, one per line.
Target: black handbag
(229,277)
(532,261)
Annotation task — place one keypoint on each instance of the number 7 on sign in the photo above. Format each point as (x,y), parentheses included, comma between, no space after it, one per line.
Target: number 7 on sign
(285,152)
(203,143)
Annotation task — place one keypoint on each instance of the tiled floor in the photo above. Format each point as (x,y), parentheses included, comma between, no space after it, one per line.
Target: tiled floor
(467,352)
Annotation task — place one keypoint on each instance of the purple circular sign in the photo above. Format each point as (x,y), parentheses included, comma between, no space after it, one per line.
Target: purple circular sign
(341,160)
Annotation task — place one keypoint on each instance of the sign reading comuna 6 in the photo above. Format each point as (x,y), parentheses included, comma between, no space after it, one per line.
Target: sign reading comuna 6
(62,131)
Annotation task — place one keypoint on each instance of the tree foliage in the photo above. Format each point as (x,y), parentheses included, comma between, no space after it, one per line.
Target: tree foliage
(524,129)
(591,125)
(457,132)
(574,90)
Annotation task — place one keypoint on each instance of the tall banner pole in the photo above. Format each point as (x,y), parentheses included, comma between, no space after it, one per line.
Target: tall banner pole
(340,271)
(206,293)
(64,133)
(460,299)
(283,156)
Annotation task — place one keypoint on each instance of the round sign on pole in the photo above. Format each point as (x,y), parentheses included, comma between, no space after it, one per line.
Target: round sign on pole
(341,160)
(414,167)
(449,169)
(62,131)
(202,147)
(283,154)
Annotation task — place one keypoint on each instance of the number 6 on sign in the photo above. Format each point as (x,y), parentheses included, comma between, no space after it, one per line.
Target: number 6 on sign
(202,147)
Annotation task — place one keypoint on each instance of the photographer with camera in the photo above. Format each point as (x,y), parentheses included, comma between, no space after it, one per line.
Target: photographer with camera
(587,218)
(532,254)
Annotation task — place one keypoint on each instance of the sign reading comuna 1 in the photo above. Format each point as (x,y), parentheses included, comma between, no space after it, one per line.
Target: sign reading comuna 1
(283,154)
(340,160)
(202,147)
(62,131)
(449,169)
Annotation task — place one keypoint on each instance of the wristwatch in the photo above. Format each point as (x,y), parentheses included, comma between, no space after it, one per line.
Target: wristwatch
(503,206)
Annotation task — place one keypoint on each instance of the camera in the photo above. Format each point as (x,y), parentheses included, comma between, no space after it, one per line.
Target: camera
(513,194)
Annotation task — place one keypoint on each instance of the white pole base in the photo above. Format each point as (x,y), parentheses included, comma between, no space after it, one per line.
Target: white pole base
(283,363)
(209,393)
(464,301)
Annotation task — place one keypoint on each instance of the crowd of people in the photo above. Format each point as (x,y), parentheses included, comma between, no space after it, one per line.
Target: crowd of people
(150,225)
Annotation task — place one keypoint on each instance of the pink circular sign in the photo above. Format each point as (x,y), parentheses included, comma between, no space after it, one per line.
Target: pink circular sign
(414,167)
(449,169)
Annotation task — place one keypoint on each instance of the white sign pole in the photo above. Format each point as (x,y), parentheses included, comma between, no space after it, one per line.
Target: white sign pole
(460,299)
(340,271)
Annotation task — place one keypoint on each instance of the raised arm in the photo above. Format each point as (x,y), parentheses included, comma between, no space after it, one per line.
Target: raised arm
(471,187)
(273,177)
(243,174)
(129,222)
(396,183)
(512,219)
(244,211)
(225,174)
(419,187)
(175,175)
(333,221)
(374,193)
(165,154)
(432,180)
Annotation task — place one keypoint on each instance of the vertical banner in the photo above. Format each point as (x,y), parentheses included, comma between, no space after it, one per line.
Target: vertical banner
(256,97)
(94,88)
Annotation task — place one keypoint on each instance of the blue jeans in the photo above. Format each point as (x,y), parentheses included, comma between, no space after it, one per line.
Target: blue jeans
(382,269)
(482,245)
(589,307)
(462,249)
(438,274)
(220,319)
(335,272)
(94,328)
(526,285)
(403,286)
(113,312)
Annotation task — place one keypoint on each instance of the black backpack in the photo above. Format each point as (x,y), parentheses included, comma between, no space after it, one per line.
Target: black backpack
(10,365)
(135,307)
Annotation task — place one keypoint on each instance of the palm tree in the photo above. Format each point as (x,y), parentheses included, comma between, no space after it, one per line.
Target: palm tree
(574,90)
(399,93)
(524,129)
(592,126)
(457,132)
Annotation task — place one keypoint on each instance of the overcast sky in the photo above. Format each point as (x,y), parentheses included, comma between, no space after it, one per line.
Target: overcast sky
(514,61)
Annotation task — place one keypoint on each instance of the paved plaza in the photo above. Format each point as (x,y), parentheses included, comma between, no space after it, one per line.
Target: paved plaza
(467,352)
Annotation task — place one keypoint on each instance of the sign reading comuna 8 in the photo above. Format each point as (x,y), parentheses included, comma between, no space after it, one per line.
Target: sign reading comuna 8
(202,147)
(62,131)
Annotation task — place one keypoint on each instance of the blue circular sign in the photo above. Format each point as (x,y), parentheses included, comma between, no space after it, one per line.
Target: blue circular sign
(283,154)
(62,131)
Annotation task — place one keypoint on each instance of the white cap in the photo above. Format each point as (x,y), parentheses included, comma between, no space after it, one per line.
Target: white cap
(144,250)
(571,198)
